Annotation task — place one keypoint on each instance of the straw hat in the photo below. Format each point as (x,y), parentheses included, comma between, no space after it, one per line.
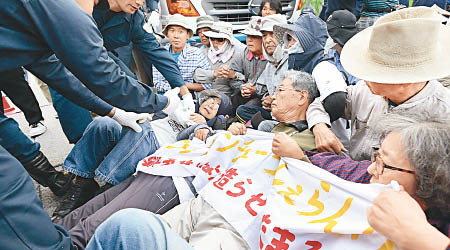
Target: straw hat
(269,21)
(204,22)
(405,46)
(222,30)
(254,27)
(179,20)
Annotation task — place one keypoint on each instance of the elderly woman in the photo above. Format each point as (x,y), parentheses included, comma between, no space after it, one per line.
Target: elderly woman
(415,153)
(225,48)
(270,7)
(188,58)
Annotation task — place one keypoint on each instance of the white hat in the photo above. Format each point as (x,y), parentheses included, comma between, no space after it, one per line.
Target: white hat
(222,30)
(406,46)
(269,21)
(182,21)
(204,22)
(254,27)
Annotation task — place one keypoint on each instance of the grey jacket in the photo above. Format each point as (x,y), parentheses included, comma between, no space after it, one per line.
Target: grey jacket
(364,109)
(271,77)
(205,76)
(246,70)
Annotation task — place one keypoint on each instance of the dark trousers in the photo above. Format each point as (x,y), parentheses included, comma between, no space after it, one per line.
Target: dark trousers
(24,224)
(149,192)
(14,85)
(246,112)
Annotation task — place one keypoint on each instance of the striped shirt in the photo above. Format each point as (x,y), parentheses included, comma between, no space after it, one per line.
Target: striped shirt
(370,6)
(190,59)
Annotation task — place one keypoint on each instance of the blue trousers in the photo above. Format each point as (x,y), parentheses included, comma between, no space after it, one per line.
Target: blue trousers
(15,141)
(109,151)
(24,224)
(135,229)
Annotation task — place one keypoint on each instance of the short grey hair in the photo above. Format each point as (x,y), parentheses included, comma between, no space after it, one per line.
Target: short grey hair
(303,81)
(425,140)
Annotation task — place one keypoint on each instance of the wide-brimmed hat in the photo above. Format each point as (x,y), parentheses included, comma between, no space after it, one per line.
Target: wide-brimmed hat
(254,27)
(222,30)
(182,21)
(341,25)
(269,21)
(406,46)
(204,22)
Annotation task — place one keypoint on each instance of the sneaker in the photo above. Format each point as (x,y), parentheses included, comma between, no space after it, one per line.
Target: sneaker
(37,129)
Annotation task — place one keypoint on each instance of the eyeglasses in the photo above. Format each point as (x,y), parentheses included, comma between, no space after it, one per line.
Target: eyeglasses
(211,102)
(377,159)
(217,39)
(279,90)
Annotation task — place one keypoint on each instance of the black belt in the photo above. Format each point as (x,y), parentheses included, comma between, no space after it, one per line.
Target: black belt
(388,10)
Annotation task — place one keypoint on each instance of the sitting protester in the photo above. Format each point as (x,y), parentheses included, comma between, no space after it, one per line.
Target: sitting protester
(393,79)
(188,58)
(407,155)
(111,152)
(273,73)
(248,66)
(146,191)
(223,50)
(341,27)
(308,34)
(204,24)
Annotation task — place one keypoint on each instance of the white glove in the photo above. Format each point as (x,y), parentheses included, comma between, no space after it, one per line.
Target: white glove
(188,103)
(182,117)
(128,119)
(174,101)
(154,19)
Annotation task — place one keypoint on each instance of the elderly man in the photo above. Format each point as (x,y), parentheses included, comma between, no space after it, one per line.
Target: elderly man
(204,24)
(246,69)
(393,79)
(188,58)
(289,105)
(272,74)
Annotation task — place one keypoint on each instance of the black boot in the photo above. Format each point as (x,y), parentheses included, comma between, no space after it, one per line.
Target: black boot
(45,174)
(81,191)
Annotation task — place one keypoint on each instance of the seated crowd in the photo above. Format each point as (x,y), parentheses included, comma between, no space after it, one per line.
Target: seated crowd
(365,106)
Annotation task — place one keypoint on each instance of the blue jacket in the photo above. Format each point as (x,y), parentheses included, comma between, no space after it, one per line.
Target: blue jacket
(24,224)
(429,3)
(32,30)
(119,29)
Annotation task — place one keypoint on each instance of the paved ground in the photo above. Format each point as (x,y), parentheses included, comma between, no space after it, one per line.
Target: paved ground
(53,142)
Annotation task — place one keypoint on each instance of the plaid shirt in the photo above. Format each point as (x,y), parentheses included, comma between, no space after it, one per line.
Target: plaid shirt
(341,166)
(356,171)
(190,59)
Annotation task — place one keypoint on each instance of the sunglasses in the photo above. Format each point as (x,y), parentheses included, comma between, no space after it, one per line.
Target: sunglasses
(377,159)
(217,39)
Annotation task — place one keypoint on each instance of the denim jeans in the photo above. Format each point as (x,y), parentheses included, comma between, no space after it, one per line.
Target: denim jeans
(135,229)
(109,151)
(73,118)
(15,141)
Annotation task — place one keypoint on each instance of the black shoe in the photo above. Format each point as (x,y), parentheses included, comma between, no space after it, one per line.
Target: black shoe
(45,174)
(80,192)
(104,188)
